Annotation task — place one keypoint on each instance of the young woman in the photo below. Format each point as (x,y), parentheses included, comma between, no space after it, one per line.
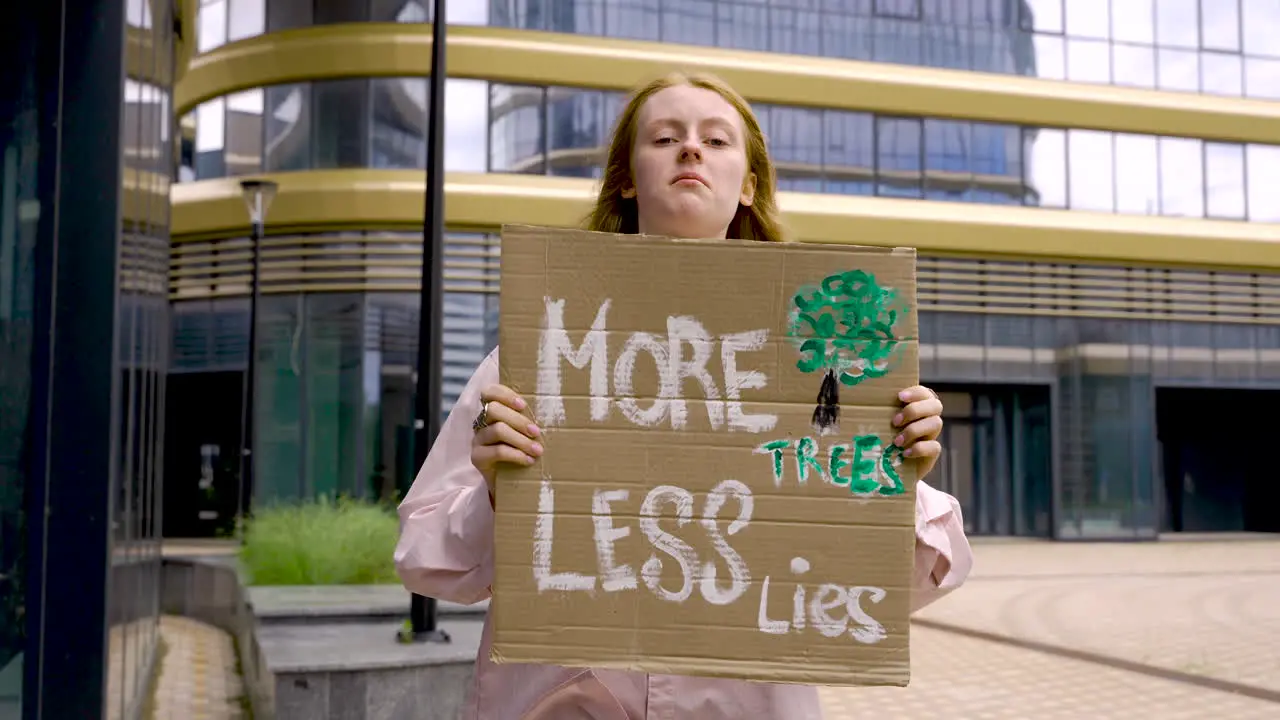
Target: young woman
(687,159)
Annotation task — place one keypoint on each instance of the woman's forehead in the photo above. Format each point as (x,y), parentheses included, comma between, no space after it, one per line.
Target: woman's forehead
(686,103)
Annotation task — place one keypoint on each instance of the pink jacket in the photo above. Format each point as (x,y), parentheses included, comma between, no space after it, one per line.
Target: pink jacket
(446,552)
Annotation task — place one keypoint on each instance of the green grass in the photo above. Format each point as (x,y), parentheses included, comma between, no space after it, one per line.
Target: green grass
(321,542)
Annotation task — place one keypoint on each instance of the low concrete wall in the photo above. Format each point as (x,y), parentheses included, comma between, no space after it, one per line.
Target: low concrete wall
(209,590)
(327,654)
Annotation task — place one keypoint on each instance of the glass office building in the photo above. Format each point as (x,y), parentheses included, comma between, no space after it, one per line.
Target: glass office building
(87,146)
(1077,387)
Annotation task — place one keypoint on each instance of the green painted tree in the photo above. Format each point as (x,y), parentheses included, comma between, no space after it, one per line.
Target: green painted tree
(844,327)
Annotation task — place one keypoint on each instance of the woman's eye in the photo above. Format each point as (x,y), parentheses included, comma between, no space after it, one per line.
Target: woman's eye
(665,140)
(717,142)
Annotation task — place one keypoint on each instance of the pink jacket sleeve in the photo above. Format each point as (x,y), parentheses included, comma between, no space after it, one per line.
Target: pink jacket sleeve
(943,555)
(445,549)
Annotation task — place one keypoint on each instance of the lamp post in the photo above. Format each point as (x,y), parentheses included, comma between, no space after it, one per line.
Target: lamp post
(426,421)
(258,195)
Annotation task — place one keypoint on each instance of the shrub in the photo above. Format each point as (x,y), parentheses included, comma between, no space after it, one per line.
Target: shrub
(321,542)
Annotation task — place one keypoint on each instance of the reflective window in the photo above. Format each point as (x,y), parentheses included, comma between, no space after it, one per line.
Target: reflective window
(562,131)
(1224,180)
(1220,25)
(1139,43)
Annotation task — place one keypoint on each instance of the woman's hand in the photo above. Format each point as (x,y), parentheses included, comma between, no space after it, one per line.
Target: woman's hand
(921,423)
(503,434)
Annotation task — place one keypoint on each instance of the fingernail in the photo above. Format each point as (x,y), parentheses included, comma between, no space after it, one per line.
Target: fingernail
(534,430)
(908,452)
(903,396)
(528,460)
(537,449)
(897,420)
(898,441)
(520,404)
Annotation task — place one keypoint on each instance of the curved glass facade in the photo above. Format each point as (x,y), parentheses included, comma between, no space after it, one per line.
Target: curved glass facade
(1213,46)
(381,123)
(1052,371)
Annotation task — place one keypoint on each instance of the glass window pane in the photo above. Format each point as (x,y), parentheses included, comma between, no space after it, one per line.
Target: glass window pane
(1181,177)
(1046,166)
(689,21)
(897,41)
(1051,57)
(576,131)
(1090,170)
(1044,16)
(1088,19)
(1134,21)
(848,155)
(633,19)
(247,19)
(1135,65)
(948,164)
(1224,180)
(283,15)
(1263,164)
(210,139)
(244,132)
(1221,74)
(340,11)
(341,123)
(1178,23)
(400,122)
(278,400)
(793,31)
(1137,174)
(288,144)
(1258,22)
(898,148)
(1262,78)
(466,134)
(742,26)
(1178,70)
(211,25)
(1088,61)
(516,129)
(1220,24)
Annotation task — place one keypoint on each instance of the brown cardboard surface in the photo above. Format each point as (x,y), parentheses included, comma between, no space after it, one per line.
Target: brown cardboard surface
(685,517)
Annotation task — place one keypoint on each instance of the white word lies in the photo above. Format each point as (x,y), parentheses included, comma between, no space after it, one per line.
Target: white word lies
(808,610)
(668,354)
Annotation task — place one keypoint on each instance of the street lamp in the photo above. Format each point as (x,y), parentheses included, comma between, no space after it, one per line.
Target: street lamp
(423,624)
(258,195)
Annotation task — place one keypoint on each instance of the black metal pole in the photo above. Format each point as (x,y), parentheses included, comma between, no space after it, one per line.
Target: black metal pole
(426,425)
(246,399)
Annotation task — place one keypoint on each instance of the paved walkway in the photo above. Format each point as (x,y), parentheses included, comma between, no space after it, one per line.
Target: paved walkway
(198,678)
(1046,630)
(1165,630)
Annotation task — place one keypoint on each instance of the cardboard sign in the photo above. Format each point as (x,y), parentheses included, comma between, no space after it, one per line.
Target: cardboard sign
(720,494)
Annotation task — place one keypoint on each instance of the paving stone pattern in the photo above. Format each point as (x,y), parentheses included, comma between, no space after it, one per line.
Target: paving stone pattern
(198,679)
(1202,609)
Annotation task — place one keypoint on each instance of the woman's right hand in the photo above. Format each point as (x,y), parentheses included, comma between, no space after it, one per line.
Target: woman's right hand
(508,436)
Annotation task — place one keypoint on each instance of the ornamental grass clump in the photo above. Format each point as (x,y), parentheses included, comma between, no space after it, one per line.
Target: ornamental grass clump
(321,542)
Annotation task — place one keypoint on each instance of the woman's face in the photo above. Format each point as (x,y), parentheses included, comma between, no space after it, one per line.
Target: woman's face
(689,164)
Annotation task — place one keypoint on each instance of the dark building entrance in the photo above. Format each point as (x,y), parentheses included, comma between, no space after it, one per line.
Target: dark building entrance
(201,455)
(1219,467)
(997,458)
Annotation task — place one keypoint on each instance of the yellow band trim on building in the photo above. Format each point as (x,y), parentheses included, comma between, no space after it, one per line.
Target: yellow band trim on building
(334,200)
(538,58)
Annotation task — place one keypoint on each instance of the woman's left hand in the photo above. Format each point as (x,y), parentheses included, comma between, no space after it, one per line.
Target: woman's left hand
(921,423)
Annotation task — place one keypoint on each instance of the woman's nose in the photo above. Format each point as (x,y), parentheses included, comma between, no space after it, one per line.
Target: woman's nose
(690,152)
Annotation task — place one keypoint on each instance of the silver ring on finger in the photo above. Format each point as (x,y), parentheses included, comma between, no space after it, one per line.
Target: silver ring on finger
(482,420)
